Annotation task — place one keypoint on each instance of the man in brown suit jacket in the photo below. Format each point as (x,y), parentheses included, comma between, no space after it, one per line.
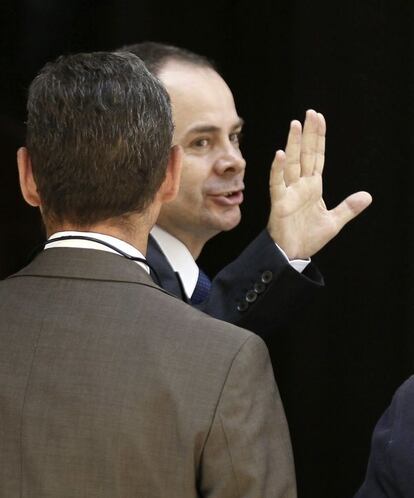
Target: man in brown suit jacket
(109,386)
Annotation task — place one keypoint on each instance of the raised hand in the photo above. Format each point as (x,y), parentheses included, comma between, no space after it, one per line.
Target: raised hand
(299,221)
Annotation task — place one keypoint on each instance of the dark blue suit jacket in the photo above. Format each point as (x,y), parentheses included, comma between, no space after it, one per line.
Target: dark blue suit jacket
(258,291)
(390,471)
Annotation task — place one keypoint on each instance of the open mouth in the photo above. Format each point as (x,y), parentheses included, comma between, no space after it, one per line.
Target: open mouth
(231,197)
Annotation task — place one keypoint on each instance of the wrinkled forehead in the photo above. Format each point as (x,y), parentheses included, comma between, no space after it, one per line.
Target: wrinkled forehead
(199,96)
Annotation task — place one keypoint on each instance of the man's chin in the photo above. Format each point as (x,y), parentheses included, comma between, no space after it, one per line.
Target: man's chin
(227,223)
(230,226)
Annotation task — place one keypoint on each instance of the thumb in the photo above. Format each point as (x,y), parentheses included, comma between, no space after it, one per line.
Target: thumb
(351,207)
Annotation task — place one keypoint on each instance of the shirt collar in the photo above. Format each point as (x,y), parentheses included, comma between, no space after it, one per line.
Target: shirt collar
(179,257)
(89,244)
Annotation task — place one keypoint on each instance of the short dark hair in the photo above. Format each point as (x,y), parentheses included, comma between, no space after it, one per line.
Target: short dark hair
(99,132)
(156,55)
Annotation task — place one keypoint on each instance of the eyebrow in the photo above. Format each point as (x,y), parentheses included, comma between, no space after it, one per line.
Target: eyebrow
(212,129)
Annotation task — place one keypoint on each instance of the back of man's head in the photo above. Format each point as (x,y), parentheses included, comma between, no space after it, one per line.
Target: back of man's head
(99,132)
(156,55)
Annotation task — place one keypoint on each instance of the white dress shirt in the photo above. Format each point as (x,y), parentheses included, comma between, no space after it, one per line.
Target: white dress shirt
(183,262)
(89,244)
(179,257)
(298,264)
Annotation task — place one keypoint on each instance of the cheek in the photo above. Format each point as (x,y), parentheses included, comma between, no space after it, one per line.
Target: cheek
(188,194)
(193,178)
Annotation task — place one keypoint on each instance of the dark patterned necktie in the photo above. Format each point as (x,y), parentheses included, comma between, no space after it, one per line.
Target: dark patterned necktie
(202,288)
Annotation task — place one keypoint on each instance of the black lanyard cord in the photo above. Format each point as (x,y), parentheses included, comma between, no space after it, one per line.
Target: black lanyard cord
(104,243)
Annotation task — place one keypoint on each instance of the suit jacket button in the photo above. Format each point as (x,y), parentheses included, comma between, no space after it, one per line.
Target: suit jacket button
(242,306)
(259,287)
(251,296)
(267,276)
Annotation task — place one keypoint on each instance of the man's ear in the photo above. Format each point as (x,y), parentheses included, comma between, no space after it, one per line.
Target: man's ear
(170,185)
(27,182)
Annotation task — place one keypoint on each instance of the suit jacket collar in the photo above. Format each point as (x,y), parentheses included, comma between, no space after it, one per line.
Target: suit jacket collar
(169,279)
(86,264)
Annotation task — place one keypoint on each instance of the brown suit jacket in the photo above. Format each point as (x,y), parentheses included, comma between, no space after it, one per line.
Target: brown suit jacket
(112,388)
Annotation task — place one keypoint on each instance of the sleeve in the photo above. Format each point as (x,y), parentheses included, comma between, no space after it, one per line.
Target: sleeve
(390,472)
(260,291)
(247,453)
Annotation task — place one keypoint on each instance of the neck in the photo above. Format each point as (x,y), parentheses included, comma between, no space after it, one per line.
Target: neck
(194,245)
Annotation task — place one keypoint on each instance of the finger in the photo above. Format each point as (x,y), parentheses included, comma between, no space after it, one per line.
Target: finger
(351,207)
(293,148)
(320,145)
(309,143)
(277,181)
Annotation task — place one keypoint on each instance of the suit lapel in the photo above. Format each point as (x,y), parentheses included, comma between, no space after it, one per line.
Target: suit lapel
(169,279)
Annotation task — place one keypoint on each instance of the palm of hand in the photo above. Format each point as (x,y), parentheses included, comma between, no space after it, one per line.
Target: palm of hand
(299,221)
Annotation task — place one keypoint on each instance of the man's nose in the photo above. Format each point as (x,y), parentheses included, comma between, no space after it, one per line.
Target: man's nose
(230,161)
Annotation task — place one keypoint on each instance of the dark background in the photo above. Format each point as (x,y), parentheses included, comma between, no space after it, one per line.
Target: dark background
(340,360)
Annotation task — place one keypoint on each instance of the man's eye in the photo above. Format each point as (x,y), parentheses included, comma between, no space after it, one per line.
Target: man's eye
(200,142)
(236,137)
